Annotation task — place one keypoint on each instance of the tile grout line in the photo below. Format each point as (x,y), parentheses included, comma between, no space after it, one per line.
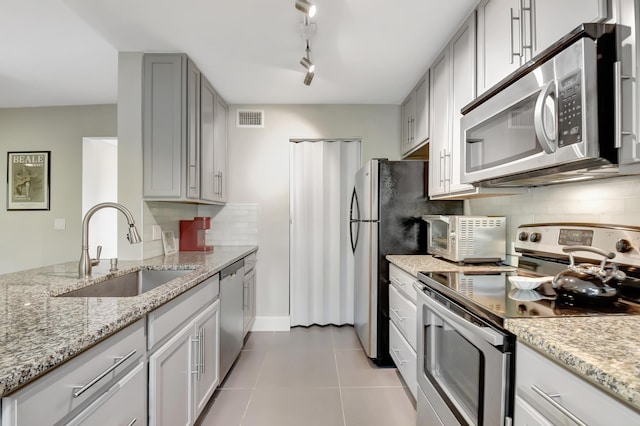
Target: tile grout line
(253,388)
(335,360)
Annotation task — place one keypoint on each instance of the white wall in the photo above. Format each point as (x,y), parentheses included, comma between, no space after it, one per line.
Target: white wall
(614,201)
(259,173)
(28,237)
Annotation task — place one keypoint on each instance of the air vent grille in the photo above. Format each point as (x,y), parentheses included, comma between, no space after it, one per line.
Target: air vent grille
(250,118)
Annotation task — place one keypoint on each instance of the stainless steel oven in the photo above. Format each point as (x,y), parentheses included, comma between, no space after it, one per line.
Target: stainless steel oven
(465,364)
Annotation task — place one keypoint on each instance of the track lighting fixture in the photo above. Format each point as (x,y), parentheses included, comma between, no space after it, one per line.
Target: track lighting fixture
(306,61)
(308,78)
(306,7)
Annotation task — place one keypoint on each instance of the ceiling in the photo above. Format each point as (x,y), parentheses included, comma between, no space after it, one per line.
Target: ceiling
(64,52)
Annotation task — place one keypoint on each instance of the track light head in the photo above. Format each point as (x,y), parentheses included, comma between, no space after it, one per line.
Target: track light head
(306,62)
(306,7)
(308,78)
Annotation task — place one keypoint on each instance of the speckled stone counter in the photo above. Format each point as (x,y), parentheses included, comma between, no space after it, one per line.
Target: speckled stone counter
(602,350)
(39,331)
(417,263)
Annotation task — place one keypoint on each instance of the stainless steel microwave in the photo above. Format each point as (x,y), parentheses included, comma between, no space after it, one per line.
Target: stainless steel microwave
(551,121)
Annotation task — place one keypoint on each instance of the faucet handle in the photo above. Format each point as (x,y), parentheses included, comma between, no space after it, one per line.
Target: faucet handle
(96,261)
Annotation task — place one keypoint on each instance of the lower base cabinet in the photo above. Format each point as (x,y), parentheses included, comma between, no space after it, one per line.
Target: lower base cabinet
(549,394)
(183,372)
(123,404)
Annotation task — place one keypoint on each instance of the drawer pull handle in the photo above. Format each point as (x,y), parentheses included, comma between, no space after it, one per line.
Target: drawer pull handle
(132,422)
(82,389)
(197,354)
(395,311)
(557,405)
(397,352)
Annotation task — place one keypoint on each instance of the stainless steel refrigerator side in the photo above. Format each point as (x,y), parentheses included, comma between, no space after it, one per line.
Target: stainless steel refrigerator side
(364,274)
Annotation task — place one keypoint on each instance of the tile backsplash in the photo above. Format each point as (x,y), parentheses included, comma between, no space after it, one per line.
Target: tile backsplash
(234,225)
(231,224)
(614,201)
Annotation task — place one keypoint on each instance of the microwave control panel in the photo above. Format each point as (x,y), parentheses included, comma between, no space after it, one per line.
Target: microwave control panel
(570,110)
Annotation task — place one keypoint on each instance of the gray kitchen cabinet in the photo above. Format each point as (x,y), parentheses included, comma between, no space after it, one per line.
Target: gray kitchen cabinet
(415,119)
(178,135)
(221,114)
(548,394)
(452,87)
(510,32)
(249,295)
(124,403)
(108,375)
(183,336)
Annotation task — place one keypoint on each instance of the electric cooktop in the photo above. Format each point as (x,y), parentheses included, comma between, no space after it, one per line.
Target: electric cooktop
(546,250)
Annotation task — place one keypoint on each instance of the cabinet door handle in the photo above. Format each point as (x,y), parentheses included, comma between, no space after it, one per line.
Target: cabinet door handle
(196,362)
(550,399)
(132,422)
(512,19)
(442,168)
(523,30)
(82,389)
(202,351)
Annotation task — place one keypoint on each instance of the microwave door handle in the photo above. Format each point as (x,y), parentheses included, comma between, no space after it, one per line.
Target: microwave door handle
(548,144)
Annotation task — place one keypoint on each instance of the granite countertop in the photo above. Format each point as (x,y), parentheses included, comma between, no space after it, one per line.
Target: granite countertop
(602,350)
(421,263)
(39,331)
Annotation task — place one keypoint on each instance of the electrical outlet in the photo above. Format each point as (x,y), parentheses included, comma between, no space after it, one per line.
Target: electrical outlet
(156,232)
(59,224)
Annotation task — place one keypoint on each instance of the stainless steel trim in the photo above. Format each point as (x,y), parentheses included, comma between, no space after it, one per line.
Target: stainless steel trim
(83,389)
(549,398)
(583,224)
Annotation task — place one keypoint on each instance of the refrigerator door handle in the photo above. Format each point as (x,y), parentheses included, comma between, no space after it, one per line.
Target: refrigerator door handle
(354,204)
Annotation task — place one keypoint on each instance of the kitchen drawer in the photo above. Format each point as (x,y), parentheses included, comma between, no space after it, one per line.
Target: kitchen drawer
(403,314)
(50,398)
(403,281)
(163,321)
(404,357)
(125,403)
(579,397)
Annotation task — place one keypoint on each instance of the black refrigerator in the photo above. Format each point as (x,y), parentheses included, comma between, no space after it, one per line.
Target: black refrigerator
(387,205)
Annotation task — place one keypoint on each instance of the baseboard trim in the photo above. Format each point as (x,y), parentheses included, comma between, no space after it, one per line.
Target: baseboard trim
(271,324)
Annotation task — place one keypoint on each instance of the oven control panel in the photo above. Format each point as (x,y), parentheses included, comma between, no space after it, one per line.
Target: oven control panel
(550,238)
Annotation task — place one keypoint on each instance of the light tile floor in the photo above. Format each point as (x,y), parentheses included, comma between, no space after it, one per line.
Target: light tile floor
(309,376)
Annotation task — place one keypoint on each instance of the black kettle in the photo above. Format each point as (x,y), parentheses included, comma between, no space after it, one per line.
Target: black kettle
(587,283)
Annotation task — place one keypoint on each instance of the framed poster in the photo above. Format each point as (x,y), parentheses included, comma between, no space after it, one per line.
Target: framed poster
(28,175)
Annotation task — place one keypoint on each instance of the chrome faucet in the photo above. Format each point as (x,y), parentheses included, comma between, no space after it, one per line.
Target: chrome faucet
(84,267)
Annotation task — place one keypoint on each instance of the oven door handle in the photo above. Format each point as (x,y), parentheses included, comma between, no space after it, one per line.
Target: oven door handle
(485,333)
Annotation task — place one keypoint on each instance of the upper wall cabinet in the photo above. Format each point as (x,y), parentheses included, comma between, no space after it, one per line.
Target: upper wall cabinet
(213,124)
(415,120)
(181,147)
(452,87)
(510,32)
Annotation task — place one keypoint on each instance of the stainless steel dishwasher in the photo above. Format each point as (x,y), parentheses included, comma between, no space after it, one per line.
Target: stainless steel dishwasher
(231,315)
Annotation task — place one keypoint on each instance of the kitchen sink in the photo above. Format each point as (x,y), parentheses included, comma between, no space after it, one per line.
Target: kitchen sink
(129,285)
